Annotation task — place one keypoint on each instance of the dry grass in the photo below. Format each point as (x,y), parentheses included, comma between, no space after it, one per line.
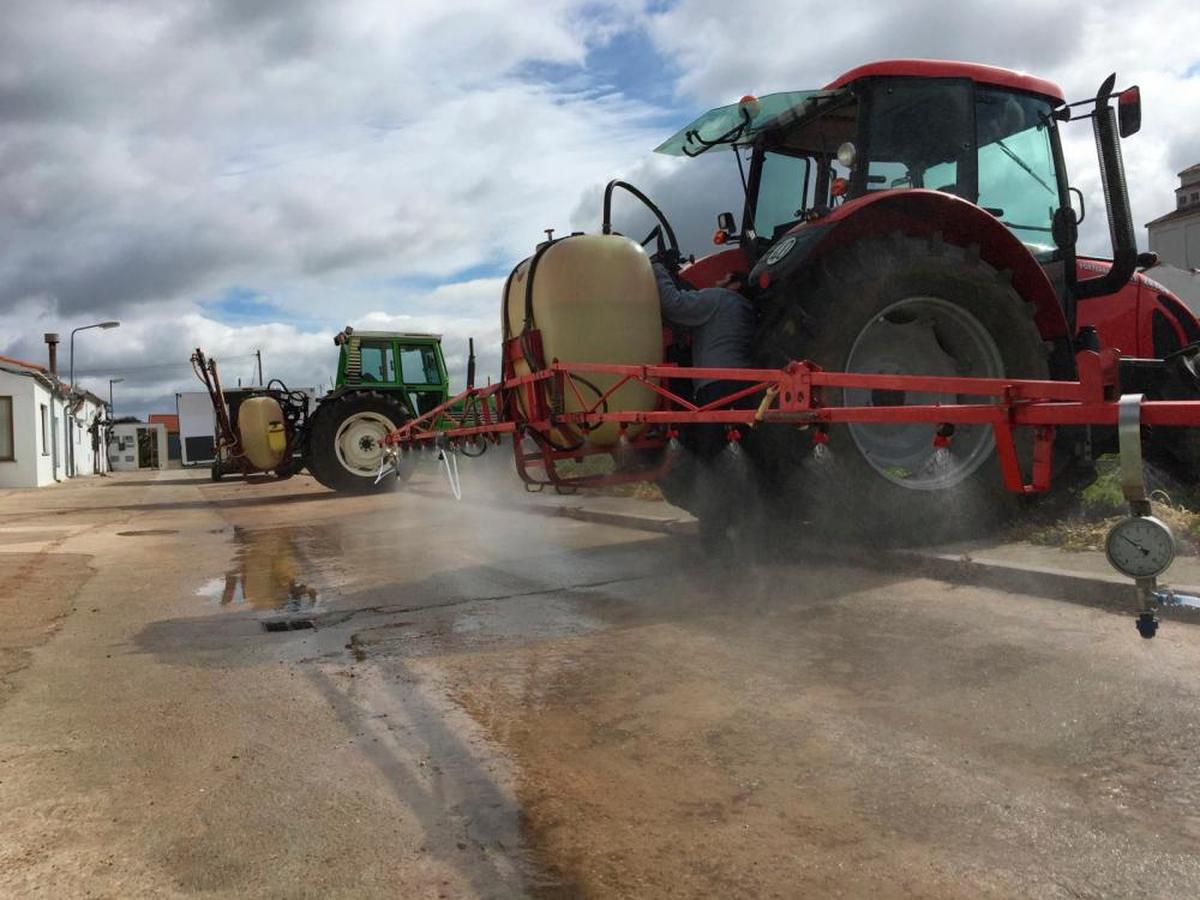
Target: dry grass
(1082,521)
(602,464)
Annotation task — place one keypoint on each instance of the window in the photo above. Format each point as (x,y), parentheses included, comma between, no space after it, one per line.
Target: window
(1195,196)
(45,430)
(782,192)
(919,135)
(377,363)
(418,365)
(1017,181)
(6,429)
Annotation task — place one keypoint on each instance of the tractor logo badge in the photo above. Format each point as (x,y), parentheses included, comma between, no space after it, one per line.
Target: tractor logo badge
(780,250)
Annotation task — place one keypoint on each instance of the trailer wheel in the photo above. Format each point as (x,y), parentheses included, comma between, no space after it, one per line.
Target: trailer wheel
(912,306)
(345,440)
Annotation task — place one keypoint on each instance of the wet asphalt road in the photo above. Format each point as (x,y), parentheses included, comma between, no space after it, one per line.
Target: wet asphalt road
(501,704)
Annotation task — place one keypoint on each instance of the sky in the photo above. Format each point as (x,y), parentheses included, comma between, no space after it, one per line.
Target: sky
(241,176)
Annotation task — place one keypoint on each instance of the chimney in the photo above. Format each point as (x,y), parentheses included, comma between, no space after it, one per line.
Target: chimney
(52,343)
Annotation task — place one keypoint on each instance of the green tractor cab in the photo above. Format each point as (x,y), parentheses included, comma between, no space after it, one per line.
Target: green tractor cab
(409,364)
(383,379)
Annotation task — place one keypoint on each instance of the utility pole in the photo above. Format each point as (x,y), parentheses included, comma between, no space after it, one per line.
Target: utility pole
(258,356)
(111,382)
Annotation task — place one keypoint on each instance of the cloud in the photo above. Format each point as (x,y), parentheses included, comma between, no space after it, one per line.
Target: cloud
(151,351)
(157,152)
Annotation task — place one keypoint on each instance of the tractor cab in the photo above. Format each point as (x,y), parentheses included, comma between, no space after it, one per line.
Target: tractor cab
(984,135)
(410,365)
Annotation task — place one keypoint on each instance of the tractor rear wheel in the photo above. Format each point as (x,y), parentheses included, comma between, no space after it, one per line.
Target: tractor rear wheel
(903,306)
(345,443)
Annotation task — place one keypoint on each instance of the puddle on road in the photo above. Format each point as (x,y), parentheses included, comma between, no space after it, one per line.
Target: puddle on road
(268,574)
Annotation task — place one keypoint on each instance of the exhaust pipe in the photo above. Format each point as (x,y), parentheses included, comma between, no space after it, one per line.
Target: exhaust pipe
(1116,193)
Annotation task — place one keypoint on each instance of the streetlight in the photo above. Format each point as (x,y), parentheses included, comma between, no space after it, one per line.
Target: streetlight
(111,382)
(70,429)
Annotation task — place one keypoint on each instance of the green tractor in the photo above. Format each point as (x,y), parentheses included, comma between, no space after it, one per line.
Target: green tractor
(383,379)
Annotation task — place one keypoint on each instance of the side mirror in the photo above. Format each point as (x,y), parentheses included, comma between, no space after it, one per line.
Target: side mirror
(1129,111)
(726,228)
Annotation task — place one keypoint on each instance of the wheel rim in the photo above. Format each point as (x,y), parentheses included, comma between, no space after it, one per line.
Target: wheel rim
(922,336)
(359,442)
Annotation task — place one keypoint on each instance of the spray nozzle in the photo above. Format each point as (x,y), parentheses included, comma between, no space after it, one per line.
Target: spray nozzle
(733,435)
(941,437)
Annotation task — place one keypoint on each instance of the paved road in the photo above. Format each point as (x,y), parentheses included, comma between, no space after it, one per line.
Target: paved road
(496,704)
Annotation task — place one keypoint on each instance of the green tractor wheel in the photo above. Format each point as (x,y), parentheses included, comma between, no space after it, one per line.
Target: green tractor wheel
(345,442)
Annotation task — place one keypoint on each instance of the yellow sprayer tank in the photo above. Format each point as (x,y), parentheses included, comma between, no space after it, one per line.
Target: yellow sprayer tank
(594,301)
(262,431)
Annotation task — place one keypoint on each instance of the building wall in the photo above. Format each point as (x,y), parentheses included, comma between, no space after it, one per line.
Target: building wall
(1178,242)
(88,461)
(33,463)
(123,446)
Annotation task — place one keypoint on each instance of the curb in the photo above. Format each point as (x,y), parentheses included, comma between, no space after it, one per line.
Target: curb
(658,524)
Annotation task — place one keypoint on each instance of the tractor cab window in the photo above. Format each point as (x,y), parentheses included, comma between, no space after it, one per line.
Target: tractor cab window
(1017,181)
(378,364)
(918,135)
(418,365)
(784,193)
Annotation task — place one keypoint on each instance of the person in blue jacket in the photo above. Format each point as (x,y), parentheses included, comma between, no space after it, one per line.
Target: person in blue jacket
(721,323)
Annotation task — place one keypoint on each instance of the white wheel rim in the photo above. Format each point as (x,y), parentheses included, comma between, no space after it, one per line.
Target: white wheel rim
(922,336)
(359,442)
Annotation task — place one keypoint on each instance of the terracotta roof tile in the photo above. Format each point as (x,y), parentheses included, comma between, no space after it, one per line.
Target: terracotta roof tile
(22,363)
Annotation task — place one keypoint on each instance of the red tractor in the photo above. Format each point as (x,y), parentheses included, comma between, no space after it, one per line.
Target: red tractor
(915,217)
(927,330)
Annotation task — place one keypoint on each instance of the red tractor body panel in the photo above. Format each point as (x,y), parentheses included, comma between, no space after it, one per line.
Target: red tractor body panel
(940,68)
(960,222)
(924,213)
(1143,318)
(708,270)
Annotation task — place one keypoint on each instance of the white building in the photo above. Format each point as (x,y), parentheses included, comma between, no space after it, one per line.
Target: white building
(42,427)
(137,445)
(1175,237)
(85,418)
(32,431)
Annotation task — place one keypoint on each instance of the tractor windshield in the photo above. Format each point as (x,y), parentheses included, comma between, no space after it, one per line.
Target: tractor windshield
(739,123)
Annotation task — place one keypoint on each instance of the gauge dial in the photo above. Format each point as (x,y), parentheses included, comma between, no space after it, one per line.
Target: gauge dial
(1140,547)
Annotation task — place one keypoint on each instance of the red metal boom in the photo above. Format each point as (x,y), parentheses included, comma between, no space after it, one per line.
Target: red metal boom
(533,406)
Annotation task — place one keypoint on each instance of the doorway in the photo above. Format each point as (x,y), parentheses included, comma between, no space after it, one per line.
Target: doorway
(147,439)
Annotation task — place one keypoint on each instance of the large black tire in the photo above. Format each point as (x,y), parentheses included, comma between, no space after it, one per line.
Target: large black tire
(901,305)
(343,442)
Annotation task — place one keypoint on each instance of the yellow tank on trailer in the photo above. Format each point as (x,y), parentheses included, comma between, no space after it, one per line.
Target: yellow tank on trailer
(594,300)
(262,431)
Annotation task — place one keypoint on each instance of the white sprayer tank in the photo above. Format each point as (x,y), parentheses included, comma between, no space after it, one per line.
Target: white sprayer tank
(594,300)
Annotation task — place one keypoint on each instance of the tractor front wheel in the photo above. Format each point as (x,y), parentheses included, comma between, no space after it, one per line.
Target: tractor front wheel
(345,443)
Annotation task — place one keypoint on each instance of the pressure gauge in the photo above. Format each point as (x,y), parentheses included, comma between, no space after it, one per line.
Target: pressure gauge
(1140,547)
